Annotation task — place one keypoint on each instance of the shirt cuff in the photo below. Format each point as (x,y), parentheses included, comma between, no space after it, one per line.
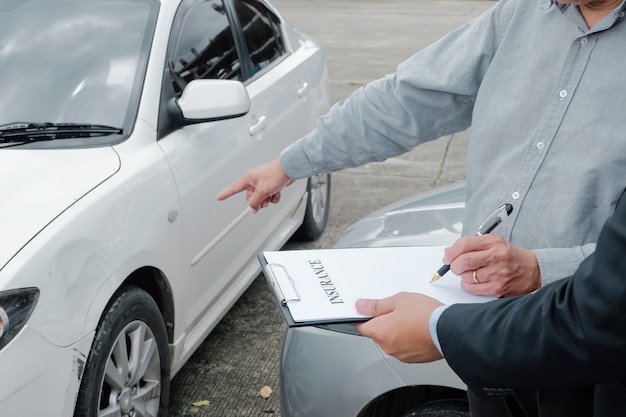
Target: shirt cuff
(557,263)
(295,163)
(432,325)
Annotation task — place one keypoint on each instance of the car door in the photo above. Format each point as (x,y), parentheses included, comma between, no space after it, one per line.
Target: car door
(223,238)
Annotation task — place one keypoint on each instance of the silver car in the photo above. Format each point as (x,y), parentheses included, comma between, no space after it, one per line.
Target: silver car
(331,370)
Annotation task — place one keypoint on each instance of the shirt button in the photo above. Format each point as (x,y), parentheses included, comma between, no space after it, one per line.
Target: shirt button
(621,14)
(540,145)
(583,41)
(515,195)
(563,93)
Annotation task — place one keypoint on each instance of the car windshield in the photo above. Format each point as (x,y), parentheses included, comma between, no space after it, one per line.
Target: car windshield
(74,62)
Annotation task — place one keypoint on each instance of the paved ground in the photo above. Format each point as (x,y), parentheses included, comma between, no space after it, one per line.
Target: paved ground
(363,40)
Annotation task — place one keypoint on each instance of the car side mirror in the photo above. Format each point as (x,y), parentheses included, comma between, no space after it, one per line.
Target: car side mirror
(211,100)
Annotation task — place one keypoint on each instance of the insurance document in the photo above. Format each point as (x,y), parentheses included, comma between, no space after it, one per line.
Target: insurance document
(321,285)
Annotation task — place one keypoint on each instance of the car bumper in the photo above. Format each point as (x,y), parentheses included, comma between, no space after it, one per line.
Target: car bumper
(318,373)
(44,378)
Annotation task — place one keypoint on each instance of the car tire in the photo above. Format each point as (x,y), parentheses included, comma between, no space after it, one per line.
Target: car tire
(317,208)
(116,378)
(441,408)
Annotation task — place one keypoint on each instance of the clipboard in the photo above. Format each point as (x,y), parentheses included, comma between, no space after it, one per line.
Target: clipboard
(320,286)
(284,289)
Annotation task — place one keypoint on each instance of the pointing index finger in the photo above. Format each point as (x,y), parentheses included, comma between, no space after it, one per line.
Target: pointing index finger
(235,188)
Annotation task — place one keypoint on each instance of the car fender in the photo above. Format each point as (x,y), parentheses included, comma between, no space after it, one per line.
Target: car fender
(87,252)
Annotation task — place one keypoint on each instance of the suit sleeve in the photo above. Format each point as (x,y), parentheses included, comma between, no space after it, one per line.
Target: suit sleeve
(569,333)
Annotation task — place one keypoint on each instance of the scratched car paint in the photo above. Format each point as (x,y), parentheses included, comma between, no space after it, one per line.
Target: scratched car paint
(120,121)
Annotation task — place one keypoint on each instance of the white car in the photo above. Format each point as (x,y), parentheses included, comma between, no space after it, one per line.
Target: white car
(331,370)
(120,122)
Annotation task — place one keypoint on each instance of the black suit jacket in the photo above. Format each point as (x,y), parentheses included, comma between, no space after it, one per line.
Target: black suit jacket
(568,334)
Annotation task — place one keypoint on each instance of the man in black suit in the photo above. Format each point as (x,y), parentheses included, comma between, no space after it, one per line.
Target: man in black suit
(567,334)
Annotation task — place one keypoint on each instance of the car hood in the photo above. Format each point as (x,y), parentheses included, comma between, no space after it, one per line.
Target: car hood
(431,218)
(38,185)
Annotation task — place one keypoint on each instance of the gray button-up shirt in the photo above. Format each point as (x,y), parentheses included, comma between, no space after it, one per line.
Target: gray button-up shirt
(546,101)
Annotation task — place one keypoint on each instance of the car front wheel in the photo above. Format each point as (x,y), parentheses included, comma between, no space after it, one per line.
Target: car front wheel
(127,371)
(317,208)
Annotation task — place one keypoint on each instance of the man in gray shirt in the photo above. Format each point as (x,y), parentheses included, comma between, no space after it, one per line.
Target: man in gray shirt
(542,83)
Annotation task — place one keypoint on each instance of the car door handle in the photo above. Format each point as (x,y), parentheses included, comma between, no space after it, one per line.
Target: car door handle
(258,126)
(304,88)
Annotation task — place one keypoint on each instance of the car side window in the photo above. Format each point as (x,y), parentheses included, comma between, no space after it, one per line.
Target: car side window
(204,47)
(261,31)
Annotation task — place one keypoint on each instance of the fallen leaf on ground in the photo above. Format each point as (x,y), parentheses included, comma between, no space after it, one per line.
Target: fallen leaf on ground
(265,392)
(201,403)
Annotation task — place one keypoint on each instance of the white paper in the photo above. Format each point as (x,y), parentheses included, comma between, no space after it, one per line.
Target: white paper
(323,284)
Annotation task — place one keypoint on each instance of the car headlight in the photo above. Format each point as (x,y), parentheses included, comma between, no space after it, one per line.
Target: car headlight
(15,309)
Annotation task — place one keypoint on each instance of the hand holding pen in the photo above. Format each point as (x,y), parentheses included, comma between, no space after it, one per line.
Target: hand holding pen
(486,226)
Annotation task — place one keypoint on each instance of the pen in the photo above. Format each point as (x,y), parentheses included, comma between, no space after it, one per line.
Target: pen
(485,227)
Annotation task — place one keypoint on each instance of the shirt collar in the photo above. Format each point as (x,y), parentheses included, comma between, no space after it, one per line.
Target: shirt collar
(606,23)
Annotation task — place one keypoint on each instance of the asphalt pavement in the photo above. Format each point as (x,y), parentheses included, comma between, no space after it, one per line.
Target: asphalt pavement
(363,40)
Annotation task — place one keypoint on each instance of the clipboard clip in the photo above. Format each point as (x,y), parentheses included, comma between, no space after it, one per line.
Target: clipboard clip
(283,285)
